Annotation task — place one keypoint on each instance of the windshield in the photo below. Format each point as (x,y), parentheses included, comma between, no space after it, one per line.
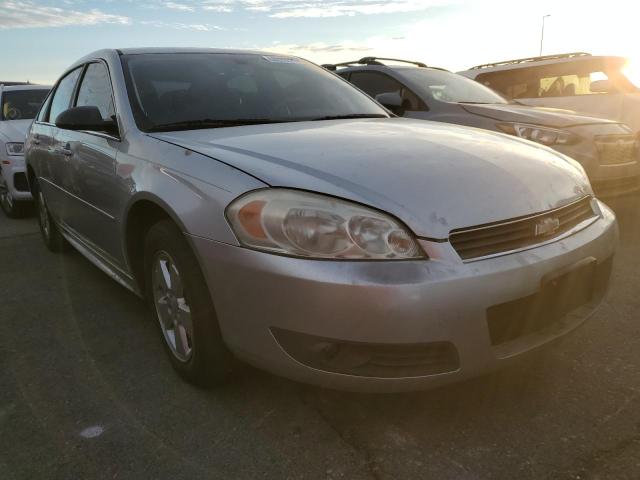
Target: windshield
(452,88)
(202,90)
(22,104)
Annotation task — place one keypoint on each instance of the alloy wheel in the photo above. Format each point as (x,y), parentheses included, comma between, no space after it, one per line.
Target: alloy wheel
(172,307)
(43,216)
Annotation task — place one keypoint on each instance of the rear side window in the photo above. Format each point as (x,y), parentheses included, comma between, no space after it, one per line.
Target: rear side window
(95,90)
(558,80)
(62,97)
(42,115)
(375,83)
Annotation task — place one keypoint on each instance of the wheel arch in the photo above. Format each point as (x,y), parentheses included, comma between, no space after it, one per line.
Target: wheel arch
(144,211)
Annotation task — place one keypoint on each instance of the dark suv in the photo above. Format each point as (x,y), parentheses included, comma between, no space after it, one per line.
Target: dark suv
(607,150)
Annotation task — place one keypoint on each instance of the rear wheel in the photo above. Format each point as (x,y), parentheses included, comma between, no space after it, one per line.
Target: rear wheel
(51,235)
(181,305)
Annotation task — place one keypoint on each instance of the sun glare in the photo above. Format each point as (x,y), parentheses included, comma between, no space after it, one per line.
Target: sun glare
(632,71)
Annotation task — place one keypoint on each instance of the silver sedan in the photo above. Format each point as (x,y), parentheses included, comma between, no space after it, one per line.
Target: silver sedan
(269,211)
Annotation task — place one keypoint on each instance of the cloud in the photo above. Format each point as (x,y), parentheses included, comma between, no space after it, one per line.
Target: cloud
(323,52)
(26,14)
(221,6)
(179,6)
(197,27)
(338,8)
(308,8)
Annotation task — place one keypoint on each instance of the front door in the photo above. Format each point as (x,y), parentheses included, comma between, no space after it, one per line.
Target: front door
(92,170)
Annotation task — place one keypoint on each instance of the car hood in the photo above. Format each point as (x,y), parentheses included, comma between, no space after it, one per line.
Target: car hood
(14,130)
(435,177)
(548,117)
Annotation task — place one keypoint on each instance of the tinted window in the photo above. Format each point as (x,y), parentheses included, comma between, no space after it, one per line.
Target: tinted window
(558,80)
(95,90)
(21,104)
(166,89)
(374,83)
(62,97)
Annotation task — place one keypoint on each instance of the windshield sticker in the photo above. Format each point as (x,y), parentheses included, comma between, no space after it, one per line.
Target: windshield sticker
(274,59)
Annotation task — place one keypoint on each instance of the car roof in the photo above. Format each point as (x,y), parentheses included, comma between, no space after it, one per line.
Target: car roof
(383,68)
(141,51)
(16,88)
(112,53)
(540,61)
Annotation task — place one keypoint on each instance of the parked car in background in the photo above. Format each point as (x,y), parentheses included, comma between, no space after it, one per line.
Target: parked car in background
(19,104)
(607,150)
(271,211)
(605,86)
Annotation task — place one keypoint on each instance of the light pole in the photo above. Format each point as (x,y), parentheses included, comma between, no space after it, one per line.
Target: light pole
(542,35)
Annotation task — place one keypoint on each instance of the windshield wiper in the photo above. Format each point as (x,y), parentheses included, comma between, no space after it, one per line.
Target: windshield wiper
(211,123)
(352,115)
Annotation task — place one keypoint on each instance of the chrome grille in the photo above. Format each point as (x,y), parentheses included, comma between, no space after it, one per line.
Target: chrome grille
(617,149)
(519,233)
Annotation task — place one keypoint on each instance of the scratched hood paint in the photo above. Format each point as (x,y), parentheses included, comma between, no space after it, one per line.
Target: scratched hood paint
(434,177)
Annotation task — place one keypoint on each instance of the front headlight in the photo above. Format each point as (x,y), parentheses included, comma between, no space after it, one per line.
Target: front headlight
(544,135)
(15,148)
(311,225)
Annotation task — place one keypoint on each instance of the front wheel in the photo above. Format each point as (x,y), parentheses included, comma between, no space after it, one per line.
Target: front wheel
(181,304)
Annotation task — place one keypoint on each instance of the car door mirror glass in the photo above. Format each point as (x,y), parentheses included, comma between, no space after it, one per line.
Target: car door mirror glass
(85,118)
(392,101)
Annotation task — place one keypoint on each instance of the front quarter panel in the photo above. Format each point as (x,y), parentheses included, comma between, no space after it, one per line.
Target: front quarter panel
(154,170)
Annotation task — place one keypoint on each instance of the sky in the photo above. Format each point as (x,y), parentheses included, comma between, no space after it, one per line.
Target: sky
(40,38)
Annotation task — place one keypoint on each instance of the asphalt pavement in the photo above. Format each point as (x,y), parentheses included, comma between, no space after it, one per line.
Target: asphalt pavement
(86,392)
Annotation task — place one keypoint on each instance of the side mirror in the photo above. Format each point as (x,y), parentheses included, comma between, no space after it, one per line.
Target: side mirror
(601,86)
(85,118)
(391,100)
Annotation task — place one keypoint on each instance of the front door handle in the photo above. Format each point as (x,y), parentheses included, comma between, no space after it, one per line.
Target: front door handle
(66,150)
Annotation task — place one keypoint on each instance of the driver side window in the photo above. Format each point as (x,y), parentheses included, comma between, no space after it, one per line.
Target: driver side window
(374,83)
(95,90)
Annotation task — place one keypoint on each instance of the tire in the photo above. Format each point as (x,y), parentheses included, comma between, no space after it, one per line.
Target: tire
(51,235)
(182,308)
(10,207)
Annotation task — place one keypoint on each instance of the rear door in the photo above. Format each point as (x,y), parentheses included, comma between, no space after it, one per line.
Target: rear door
(93,169)
(54,154)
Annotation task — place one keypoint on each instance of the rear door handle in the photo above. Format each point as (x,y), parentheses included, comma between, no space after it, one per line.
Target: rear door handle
(36,139)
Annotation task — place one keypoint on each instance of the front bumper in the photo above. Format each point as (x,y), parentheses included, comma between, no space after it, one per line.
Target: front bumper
(607,179)
(14,174)
(389,304)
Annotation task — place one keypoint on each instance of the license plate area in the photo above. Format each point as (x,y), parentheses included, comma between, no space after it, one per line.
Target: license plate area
(560,293)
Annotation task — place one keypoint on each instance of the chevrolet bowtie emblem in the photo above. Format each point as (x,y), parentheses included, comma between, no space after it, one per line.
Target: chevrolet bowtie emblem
(547,226)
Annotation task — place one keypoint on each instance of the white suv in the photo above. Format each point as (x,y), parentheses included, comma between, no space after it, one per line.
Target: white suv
(607,87)
(19,104)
